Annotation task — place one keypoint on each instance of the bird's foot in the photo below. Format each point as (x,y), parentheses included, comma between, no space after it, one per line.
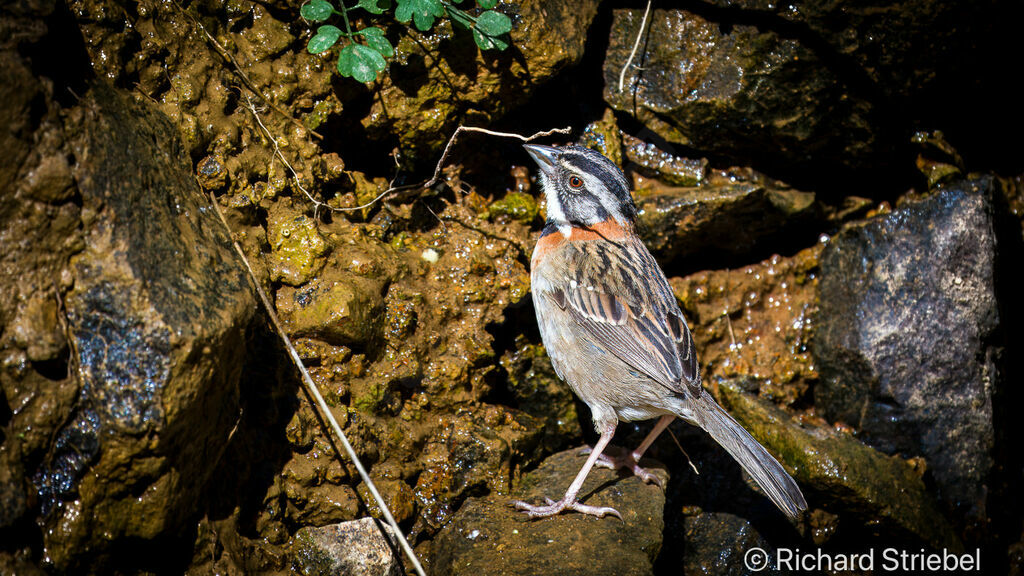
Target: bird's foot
(553,508)
(629,462)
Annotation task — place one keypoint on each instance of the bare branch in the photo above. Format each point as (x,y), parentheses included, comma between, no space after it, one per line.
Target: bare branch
(444,157)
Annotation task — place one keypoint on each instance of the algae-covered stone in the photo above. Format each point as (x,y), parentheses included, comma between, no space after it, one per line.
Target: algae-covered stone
(361,546)
(841,474)
(605,137)
(515,205)
(489,537)
(473,451)
(338,307)
(297,250)
(440,79)
(756,321)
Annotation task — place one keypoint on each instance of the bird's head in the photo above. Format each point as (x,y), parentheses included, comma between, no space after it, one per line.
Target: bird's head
(582,187)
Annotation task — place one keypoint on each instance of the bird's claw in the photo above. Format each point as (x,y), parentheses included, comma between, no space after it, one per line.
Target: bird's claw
(552,508)
(628,462)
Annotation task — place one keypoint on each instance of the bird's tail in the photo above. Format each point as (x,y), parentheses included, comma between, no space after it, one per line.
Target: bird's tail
(762,466)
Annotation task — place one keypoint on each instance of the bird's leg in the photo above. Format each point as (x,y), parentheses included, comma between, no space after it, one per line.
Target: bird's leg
(569,502)
(631,461)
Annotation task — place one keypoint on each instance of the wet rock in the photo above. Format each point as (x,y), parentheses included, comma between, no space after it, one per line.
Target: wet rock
(718,543)
(399,497)
(362,546)
(338,307)
(905,340)
(903,49)
(540,393)
(440,79)
(654,162)
(475,451)
(842,475)
(736,91)
(605,137)
(157,315)
(487,536)
(297,250)
(39,231)
(731,212)
(756,322)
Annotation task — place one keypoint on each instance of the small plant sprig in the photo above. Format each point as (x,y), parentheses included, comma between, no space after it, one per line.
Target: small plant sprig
(364,51)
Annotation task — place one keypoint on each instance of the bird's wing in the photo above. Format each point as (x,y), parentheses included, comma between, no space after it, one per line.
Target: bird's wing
(617,293)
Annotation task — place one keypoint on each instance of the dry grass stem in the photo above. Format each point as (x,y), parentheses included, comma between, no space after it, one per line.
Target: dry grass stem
(321,404)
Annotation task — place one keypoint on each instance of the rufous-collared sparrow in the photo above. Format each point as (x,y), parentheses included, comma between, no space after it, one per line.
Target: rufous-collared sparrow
(614,332)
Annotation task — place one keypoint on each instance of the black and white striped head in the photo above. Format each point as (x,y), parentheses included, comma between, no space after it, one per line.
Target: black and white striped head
(582,187)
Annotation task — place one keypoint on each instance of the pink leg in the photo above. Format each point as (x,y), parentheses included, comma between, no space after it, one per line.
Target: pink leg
(569,502)
(631,461)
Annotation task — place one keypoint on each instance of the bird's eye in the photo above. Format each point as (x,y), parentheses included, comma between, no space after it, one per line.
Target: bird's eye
(575,182)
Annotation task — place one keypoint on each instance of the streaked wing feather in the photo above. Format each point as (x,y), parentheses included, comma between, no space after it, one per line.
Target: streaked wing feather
(627,306)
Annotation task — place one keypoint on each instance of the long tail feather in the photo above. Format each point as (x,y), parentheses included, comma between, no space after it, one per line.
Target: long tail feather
(762,466)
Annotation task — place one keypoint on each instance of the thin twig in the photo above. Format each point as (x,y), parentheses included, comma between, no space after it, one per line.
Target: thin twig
(636,45)
(680,446)
(324,409)
(277,151)
(444,157)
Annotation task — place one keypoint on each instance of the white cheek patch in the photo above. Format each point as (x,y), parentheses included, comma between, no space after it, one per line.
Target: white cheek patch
(554,205)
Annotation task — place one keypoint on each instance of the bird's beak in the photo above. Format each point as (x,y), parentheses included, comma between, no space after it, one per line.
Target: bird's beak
(544,156)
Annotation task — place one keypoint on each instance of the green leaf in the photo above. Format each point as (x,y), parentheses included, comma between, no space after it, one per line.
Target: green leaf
(374,6)
(487,4)
(493,23)
(326,36)
(375,39)
(459,17)
(489,42)
(360,62)
(316,10)
(421,12)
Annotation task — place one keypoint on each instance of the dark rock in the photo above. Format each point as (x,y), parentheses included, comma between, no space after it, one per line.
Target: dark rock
(902,49)
(157,316)
(362,546)
(740,91)
(905,335)
(487,536)
(721,543)
(812,87)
